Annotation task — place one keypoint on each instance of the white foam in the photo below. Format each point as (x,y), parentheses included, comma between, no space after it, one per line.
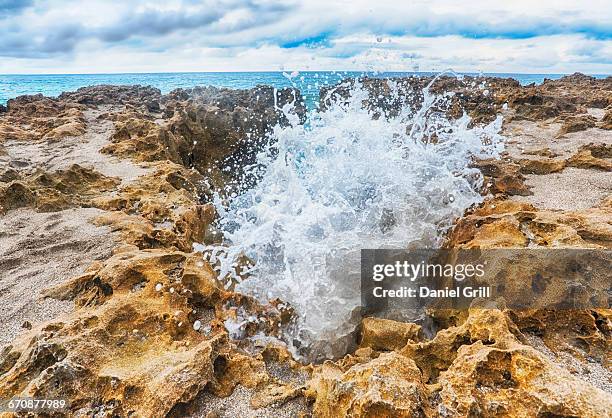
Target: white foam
(344,182)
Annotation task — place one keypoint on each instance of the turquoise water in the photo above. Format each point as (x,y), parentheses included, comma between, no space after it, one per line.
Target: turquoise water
(308,82)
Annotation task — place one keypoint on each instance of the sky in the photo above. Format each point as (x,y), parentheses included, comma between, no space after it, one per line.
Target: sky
(94,36)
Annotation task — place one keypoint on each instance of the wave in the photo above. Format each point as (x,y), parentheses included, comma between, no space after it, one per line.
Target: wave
(354,176)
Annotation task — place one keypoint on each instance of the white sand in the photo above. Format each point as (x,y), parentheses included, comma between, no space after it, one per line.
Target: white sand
(570,189)
(40,250)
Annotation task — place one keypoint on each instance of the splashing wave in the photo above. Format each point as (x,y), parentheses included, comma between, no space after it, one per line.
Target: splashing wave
(344,181)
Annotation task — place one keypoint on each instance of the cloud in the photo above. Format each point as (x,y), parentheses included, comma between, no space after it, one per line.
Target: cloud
(12,7)
(155,23)
(217,16)
(47,36)
(70,33)
(590,52)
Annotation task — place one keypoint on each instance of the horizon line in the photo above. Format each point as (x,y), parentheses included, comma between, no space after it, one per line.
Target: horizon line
(494,73)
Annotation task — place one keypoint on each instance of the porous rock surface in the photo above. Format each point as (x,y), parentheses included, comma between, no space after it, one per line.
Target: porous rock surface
(147,335)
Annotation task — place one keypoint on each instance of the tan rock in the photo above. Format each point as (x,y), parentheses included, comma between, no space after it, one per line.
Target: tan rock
(486,325)
(69,129)
(41,118)
(606,122)
(502,233)
(386,335)
(515,381)
(576,124)
(53,191)
(388,386)
(274,394)
(110,355)
(503,177)
(585,159)
(541,166)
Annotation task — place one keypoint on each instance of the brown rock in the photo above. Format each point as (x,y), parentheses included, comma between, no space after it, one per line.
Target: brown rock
(216,131)
(15,133)
(584,159)
(502,233)
(515,381)
(599,150)
(111,357)
(503,177)
(541,166)
(606,122)
(585,332)
(68,129)
(113,95)
(386,335)
(274,394)
(576,124)
(8,174)
(388,386)
(38,117)
(49,192)
(432,357)
(15,195)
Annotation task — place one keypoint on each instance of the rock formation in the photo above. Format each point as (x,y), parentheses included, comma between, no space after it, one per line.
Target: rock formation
(146,332)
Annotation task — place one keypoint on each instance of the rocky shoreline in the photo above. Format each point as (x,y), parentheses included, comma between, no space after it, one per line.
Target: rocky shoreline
(104,191)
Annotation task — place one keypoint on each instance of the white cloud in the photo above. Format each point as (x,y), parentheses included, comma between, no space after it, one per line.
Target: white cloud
(231,35)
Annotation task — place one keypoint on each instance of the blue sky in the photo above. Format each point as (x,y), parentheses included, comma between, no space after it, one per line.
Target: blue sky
(93,36)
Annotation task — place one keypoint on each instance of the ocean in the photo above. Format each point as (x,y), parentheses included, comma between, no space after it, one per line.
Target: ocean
(308,82)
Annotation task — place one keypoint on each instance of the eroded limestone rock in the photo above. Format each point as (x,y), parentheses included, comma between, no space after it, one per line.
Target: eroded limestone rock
(149,335)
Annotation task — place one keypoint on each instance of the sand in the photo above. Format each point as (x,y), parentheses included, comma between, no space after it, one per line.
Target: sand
(38,251)
(237,406)
(525,137)
(571,188)
(591,372)
(83,150)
